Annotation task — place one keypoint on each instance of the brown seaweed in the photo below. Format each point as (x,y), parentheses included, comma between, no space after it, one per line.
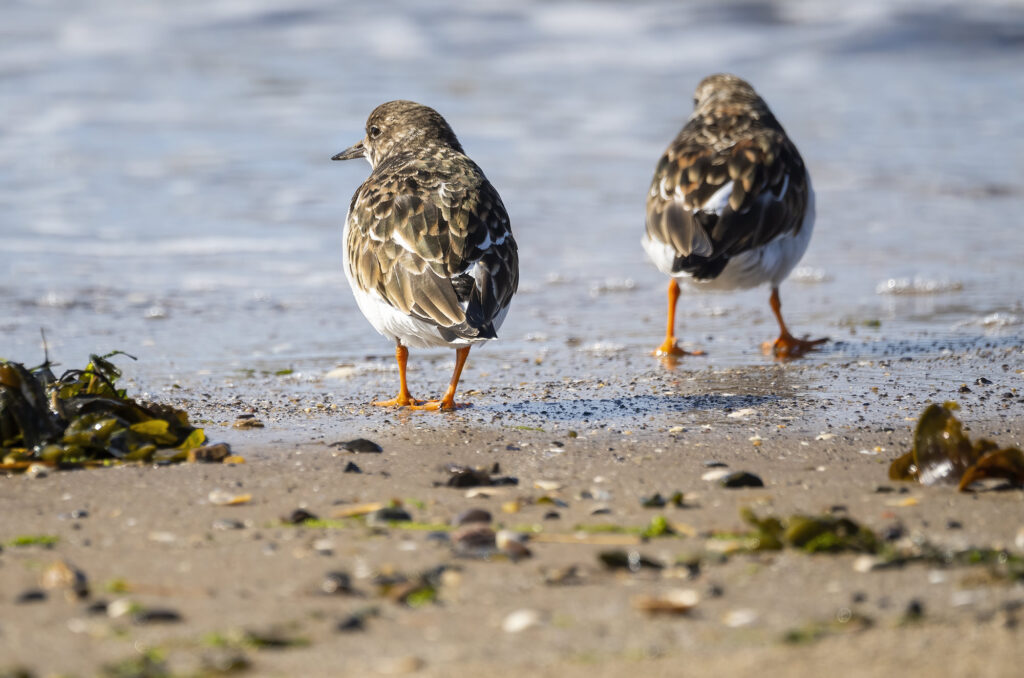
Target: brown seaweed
(944,455)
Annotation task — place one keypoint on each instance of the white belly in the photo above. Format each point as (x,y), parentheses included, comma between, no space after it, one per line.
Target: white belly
(771,263)
(399,326)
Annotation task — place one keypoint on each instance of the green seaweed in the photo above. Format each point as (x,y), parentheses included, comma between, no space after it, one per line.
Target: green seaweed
(813,534)
(82,419)
(45,540)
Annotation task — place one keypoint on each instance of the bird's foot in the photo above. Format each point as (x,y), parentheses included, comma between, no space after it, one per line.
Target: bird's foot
(671,349)
(443,405)
(401,400)
(787,346)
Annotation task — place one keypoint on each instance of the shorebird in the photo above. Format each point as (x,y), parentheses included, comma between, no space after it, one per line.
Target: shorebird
(731,204)
(429,251)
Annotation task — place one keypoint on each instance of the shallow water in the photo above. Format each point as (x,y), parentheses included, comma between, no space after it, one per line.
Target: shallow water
(166,187)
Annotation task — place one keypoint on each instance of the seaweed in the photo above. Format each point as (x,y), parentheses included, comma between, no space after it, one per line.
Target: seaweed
(944,455)
(813,534)
(82,419)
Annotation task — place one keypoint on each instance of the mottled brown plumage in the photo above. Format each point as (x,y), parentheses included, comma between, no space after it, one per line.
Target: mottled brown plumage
(429,250)
(731,203)
(731,136)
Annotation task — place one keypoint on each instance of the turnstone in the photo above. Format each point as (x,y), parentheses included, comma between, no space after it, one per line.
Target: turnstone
(731,203)
(429,251)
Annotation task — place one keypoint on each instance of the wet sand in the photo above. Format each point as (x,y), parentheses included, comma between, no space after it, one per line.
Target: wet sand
(811,431)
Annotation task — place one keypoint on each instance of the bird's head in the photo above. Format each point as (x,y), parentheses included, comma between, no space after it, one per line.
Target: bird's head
(401,126)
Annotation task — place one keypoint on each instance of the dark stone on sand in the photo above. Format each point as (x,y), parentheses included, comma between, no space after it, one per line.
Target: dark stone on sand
(30,596)
(468,477)
(619,559)
(475,515)
(711,463)
(892,532)
(653,501)
(298,516)
(552,515)
(210,454)
(982,381)
(954,525)
(741,479)
(352,468)
(359,445)
(473,537)
(96,608)
(351,623)
(914,611)
(389,514)
(156,615)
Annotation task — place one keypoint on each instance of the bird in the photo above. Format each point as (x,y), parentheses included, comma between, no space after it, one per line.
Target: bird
(428,246)
(731,204)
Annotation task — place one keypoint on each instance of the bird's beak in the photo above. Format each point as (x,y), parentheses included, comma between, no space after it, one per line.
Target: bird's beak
(357,151)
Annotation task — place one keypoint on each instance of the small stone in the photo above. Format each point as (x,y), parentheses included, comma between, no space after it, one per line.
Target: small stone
(359,445)
(521,620)
(63,575)
(298,516)
(715,591)
(337,583)
(245,423)
(388,514)
(156,615)
(78,514)
(600,511)
(982,381)
(653,501)
(352,468)
(738,618)
(209,454)
(324,547)
(351,623)
(227,524)
(473,537)
(30,596)
(954,524)
(551,515)
(97,607)
(462,476)
(715,475)
(914,611)
(741,479)
(964,388)
(1019,539)
(37,471)
(858,597)
(547,485)
(893,532)
(474,515)
(633,561)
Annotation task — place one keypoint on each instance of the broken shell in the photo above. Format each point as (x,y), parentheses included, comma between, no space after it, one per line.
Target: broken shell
(676,601)
(224,498)
(520,620)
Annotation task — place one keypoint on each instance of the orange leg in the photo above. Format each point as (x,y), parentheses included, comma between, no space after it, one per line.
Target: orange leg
(447,402)
(787,346)
(669,347)
(403,399)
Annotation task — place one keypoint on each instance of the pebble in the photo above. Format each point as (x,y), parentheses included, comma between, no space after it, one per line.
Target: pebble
(352,468)
(711,463)
(210,454)
(37,471)
(63,575)
(473,537)
(521,620)
(353,622)
(475,515)
(30,596)
(914,610)
(1019,539)
(156,615)
(298,516)
(336,583)
(324,547)
(715,475)
(250,422)
(737,618)
(547,485)
(388,514)
(227,524)
(360,445)
(633,561)
(741,479)
(551,515)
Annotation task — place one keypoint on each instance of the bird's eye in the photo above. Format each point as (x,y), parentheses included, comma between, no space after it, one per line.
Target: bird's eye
(374,131)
